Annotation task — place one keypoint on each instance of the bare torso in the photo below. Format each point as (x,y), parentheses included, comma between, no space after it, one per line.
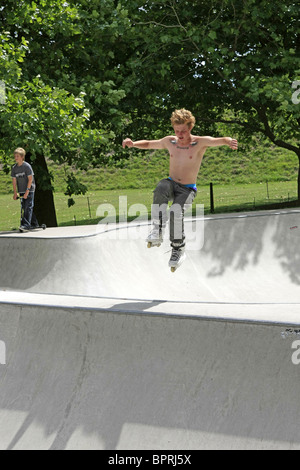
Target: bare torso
(185,161)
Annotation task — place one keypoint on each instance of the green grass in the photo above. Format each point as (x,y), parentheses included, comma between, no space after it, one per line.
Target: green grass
(220,166)
(142,170)
(239,182)
(227,198)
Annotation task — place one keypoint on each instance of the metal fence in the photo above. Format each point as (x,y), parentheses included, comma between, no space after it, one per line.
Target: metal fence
(216,198)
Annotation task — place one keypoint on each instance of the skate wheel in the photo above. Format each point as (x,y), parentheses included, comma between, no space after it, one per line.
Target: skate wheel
(149,245)
(173,270)
(44,227)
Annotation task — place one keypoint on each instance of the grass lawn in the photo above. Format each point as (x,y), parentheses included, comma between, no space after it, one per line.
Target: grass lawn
(227,198)
(239,180)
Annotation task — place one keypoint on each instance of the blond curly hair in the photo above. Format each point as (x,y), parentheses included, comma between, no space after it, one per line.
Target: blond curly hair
(183,116)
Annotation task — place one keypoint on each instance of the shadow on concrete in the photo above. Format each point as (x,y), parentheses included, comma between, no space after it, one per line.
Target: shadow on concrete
(143,382)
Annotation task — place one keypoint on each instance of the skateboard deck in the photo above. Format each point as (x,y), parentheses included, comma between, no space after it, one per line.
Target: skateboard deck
(33,229)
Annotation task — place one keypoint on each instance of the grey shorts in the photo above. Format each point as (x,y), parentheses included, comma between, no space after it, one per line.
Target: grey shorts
(182,197)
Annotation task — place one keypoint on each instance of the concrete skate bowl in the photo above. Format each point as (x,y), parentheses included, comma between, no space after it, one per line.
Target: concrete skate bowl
(243,259)
(107,349)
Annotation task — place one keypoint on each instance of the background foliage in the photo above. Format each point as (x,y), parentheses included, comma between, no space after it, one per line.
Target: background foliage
(80,76)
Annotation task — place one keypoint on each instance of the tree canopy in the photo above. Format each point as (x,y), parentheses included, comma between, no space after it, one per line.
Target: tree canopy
(237,56)
(79,76)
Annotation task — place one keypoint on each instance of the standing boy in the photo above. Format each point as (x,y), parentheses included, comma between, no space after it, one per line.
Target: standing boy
(186,154)
(24,184)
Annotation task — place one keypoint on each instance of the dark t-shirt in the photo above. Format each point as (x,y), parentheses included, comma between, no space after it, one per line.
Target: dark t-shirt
(21,173)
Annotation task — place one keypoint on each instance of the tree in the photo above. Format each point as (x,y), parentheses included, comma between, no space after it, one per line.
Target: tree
(51,63)
(81,75)
(232,61)
(47,122)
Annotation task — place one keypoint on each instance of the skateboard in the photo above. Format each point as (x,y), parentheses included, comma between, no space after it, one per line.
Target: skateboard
(33,229)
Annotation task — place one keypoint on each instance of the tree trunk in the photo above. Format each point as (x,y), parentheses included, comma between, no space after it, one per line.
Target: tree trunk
(44,207)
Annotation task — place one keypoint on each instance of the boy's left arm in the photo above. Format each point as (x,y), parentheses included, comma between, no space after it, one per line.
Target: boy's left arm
(218,141)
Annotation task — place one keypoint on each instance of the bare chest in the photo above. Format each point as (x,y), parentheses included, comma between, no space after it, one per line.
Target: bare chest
(185,154)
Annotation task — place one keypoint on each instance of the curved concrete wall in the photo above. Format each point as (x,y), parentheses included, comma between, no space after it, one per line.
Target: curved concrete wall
(129,360)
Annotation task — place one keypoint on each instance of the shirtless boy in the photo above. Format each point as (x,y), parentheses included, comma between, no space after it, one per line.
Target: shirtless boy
(186,154)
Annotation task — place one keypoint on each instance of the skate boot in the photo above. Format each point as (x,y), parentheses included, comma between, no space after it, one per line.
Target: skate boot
(155,237)
(177,257)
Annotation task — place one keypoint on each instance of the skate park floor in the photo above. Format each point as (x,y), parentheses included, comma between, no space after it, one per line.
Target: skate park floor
(105,348)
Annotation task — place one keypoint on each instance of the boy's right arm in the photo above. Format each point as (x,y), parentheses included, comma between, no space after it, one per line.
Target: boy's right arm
(146,144)
(14,182)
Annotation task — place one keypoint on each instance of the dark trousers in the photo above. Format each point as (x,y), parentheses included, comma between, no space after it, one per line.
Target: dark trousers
(182,197)
(28,219)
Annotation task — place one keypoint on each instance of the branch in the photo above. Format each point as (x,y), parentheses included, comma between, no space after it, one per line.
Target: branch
(217,17)
(239,26)
(236,121)
(182,27)
(229,82)
(270,134)
(158,24)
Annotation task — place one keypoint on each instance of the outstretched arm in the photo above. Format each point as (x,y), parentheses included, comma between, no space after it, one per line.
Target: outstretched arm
(146,144)
(216,142)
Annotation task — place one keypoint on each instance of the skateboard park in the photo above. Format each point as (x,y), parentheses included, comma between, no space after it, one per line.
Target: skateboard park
(105,348)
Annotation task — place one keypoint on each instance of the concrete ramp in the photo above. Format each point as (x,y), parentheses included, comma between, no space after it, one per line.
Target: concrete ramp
(105,348)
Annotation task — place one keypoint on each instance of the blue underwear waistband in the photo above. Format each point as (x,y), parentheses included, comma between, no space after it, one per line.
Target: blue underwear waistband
(191,186)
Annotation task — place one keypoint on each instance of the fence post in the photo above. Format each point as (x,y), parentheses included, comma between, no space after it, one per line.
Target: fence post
(88,200)
(212,203)
(268,194)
